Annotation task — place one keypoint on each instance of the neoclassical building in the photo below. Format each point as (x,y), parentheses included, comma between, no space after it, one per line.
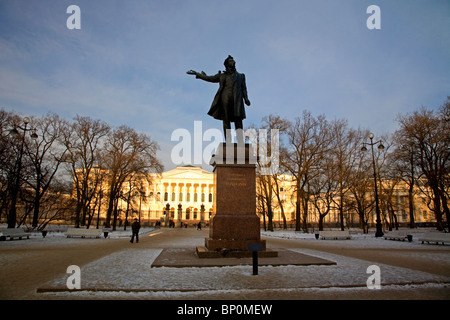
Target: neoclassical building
(188,192)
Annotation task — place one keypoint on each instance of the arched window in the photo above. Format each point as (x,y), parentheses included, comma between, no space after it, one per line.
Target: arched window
(195,213)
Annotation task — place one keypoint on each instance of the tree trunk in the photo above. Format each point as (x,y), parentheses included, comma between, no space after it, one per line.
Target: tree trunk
(412,223)
(297,216)
(320,222)
(446,210)
(341,211)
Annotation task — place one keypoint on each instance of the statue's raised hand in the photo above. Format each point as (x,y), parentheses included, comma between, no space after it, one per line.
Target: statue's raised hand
(195,73)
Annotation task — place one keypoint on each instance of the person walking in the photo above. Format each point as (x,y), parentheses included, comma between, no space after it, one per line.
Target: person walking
(135,226)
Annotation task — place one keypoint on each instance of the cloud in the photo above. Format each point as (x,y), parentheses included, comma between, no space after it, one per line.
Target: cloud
(127,64)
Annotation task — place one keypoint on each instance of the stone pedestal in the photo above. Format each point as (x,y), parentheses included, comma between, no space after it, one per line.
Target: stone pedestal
(235,224)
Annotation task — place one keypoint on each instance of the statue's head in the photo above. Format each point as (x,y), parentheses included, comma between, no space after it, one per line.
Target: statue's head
(229,63)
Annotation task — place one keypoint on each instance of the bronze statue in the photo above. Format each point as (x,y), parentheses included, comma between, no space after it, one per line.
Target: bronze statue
(228,104)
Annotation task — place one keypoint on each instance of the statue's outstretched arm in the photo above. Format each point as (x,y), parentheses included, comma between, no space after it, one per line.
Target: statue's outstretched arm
(195,73)
(205,77)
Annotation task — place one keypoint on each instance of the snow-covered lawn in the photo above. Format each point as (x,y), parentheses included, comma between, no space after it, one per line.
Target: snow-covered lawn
(117,274)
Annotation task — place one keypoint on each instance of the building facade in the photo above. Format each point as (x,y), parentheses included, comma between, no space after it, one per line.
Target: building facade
(181,196)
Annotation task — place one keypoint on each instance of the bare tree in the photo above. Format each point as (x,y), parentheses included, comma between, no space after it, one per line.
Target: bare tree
(345,147)
(268,171)
(324,187)
(308,140)
(45,153)
(361,184)
(404,165)
(127,152)
(428,134)
(8,157)
(83,140)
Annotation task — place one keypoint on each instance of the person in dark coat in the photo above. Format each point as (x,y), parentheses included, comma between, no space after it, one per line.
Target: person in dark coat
(135,226)
(228,103)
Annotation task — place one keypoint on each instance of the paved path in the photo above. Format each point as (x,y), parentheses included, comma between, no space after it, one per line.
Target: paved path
(25,265)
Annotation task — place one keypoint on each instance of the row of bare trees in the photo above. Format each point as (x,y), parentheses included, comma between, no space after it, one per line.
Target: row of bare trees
(62,170)
(329,170)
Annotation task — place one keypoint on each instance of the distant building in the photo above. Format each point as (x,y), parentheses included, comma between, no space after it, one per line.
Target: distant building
(188,192)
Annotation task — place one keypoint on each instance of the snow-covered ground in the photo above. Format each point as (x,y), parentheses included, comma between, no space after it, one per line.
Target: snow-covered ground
(128,273)
(131,270)
(359,239)
(57,234)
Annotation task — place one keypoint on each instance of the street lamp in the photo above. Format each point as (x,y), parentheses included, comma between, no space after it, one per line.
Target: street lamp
(379,232)
(12,216)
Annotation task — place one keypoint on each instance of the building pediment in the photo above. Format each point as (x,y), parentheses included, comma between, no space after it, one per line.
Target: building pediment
(187,173)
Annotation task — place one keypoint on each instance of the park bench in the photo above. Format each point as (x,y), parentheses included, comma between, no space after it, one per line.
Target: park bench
(83,233)
(13,233)
(337,235)
(396,235)
(436,237)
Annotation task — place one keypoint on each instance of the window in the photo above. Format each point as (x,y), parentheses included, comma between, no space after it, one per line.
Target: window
(188,197)
(180,197)
(173,196)
(166,196)
(210,197)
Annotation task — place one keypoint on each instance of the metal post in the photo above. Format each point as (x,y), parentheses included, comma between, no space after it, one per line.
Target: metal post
(379,232)
(255,262)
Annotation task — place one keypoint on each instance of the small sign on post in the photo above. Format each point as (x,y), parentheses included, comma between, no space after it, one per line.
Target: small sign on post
(254,248)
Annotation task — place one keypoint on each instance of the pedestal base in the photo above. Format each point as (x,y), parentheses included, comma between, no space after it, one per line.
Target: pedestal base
(231,244)
(203,252)
(235,224)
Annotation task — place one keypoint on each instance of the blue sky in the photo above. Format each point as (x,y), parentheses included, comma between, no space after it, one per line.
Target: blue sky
(127,64)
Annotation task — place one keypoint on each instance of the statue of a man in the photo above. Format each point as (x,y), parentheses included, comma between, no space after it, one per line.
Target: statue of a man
(228,104)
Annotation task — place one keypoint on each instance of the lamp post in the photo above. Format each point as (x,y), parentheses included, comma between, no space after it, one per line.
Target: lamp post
(12,216)
(379,232)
